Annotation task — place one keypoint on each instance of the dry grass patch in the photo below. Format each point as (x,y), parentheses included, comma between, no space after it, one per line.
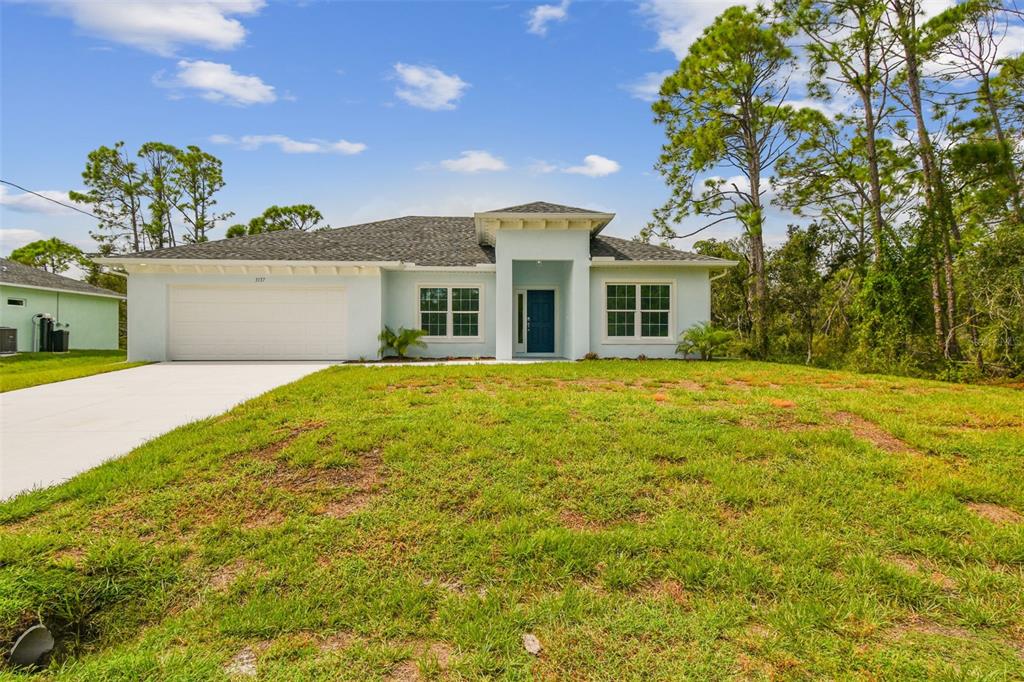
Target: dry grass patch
(996,513)
(226,575)
(924,569)
(670,589)
(871,432)
(367,481)
(918,625)
(432,656)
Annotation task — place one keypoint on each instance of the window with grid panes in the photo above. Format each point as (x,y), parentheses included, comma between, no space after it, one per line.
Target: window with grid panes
(450,312)
(638,310)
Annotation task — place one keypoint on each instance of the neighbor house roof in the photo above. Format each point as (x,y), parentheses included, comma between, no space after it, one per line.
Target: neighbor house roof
(420,240)
(21,275)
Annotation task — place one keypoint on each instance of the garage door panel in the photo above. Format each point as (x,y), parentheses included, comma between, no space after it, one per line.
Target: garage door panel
(256,323)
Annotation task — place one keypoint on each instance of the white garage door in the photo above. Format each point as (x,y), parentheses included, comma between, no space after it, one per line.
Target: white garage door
(256,323)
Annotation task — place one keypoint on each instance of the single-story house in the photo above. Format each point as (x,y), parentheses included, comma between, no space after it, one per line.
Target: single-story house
(533,280)
(87,312)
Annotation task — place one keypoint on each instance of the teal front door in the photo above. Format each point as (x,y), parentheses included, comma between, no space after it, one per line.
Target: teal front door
(540,321)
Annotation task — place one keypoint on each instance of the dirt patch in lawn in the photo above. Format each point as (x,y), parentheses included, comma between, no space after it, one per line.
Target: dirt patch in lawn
(270,450)
(871,432)
(918,625)
(667,588)
(244,663)
(262,518)
(337,641)
(226,575)
(435,654)
(453,586)
(365,479)
(680,384)
(923,569)
(995,513)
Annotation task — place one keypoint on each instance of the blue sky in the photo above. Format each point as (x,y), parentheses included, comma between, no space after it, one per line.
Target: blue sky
(367,110)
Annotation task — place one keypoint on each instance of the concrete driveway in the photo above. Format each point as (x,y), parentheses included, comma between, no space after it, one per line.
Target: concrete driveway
(50,433)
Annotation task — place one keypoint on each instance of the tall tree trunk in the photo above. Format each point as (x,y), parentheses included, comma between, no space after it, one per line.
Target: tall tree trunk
(937,201)
(952,347)
(1004,147)
(873,175)
(757,260)
(940,331)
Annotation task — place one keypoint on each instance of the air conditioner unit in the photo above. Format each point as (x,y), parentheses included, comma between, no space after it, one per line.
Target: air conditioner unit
(8,340)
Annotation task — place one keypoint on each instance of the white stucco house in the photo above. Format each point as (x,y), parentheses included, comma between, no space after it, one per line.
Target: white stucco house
(533,280)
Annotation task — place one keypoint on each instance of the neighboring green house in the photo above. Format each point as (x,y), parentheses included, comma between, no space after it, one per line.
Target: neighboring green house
(89,313)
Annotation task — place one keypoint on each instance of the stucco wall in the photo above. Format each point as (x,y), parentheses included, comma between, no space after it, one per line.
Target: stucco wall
(691,304)
(552,245)
(401,305)
(148,308)
(91,320)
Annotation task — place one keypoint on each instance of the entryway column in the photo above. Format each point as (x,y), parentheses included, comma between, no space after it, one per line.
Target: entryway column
(579,302)
(504,312)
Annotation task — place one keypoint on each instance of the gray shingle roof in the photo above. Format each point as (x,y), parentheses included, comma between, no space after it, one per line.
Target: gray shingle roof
(434,240)
(542,207)
(422,240)
(627,249)
(15,274)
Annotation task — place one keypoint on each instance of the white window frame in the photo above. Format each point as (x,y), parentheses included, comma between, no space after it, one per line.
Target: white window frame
(637,325)
(449,337)
(21,302)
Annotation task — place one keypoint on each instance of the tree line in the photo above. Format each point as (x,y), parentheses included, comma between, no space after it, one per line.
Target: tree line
(896,142)
(160,196)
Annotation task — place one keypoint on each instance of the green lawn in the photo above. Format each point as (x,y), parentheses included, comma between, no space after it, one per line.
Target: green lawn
(32,369)
(642,520)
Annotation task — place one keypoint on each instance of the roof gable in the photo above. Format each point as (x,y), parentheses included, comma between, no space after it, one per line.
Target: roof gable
(542,207)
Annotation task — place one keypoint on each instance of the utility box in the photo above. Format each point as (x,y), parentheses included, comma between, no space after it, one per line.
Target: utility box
(8,340)
(45,334)
(59,339)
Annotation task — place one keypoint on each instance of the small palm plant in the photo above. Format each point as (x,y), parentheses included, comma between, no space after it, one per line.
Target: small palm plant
(704,339)
(400,341)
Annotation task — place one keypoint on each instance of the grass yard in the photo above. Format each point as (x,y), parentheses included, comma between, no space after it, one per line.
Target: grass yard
(642,520)
(33,369)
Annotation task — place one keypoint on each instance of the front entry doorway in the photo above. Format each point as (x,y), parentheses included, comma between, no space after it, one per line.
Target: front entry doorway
(540,321)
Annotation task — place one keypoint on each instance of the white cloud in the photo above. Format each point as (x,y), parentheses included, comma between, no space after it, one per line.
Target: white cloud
(11,238)
(542,15)
(24,202)
(219,83)
(290,146)
(474,161)
(647,86)
(542,167)
(594,166)
(428,87)
(162,26)
(679,23)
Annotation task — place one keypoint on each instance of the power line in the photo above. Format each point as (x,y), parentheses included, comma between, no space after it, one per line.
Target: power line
(59,203)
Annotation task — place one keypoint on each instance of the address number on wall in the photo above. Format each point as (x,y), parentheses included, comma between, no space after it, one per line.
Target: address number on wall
(260,280)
